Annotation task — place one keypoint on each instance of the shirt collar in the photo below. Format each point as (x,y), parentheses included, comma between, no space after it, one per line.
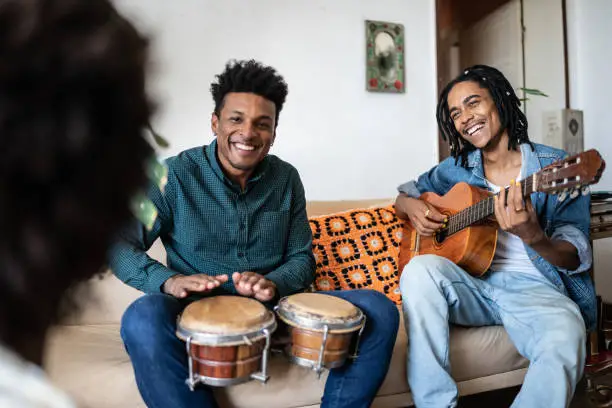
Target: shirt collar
(529,165)
(210,152)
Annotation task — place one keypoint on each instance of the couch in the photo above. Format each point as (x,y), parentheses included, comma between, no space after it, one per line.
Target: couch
(86,358)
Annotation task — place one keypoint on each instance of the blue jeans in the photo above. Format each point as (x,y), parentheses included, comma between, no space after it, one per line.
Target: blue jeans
(160,360)
(545,326)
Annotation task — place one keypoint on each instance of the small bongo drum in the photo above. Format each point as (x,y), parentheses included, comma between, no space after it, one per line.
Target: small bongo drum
(227,339)
(322,329)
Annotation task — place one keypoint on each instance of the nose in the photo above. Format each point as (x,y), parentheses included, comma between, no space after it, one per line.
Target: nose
(248,129)
(466,117)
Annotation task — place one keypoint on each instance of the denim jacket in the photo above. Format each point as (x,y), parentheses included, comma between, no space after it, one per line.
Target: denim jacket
(567,220)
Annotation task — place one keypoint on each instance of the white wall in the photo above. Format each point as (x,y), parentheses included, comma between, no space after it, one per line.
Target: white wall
(495,40)
(346,143)
(590,62)
(544,61)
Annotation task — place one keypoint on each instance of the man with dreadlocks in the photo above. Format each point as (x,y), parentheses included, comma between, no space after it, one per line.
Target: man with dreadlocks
(537,287)
(233,221)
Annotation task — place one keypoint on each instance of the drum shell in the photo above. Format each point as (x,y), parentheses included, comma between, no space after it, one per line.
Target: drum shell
(226,362)
(306,345)
(308,331)
(219,356)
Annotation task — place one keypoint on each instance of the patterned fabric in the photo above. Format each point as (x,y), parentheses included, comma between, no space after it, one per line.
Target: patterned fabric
(358,249)
(208,225)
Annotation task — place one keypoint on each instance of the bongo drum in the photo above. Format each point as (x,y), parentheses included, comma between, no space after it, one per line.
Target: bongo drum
(322,329)
(227,340)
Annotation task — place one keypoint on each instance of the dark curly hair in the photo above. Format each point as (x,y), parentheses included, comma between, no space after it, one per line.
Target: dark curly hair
(252,77)
(73,112)
(508,106)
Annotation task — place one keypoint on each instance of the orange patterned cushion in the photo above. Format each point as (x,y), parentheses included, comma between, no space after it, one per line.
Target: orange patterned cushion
(358,249)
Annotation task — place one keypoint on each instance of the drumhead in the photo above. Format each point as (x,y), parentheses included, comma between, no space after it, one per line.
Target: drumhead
(224,319)
(315,310)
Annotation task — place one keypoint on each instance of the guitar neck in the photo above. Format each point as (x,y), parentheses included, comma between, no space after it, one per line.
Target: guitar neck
(482,209)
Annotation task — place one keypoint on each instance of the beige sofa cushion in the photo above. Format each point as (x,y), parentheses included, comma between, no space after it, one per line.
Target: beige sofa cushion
(90,363)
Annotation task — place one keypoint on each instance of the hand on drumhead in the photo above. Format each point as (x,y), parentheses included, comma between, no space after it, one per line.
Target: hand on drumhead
(255,285)
(181,285)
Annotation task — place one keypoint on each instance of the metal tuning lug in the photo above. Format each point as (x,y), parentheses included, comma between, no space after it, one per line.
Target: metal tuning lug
(575,192)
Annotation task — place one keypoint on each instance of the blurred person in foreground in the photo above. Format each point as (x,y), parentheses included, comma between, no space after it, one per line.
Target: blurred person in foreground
(73,111)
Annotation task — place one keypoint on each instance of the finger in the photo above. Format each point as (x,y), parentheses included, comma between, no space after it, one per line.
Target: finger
(421,229)
(427,224)
(236,278)
(250,281)
(192,285)
(262,284)
(433,214)
(529,206)
(222,278)
(264,295)
(500,211)
(205,281)
(517,197)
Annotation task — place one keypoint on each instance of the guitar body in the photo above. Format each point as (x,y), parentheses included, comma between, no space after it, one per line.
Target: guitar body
(471,248)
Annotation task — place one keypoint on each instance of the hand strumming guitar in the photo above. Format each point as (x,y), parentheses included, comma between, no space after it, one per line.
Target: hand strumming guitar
(423,216)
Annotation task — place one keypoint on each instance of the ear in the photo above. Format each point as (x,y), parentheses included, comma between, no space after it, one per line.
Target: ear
(214,123)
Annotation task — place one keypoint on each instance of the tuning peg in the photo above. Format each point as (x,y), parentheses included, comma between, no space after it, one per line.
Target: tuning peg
(585,190)
(562,196)
(575,193)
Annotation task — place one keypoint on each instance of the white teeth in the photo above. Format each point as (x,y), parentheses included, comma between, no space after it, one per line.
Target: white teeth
(243,146)
(474,129)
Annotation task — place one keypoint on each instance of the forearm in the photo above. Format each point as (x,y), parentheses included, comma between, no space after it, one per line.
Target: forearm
(136,268)
(293,276)
(558,252)
(401,206)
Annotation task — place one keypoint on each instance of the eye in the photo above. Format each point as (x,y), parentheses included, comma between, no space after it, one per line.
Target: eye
(473,103)
(234,119)
(455,115)
(264,126)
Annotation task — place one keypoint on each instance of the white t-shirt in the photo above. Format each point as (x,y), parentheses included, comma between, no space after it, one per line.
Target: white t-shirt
(510,253)
(25,385)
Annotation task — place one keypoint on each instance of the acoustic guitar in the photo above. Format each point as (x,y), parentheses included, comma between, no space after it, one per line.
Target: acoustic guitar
(470,236)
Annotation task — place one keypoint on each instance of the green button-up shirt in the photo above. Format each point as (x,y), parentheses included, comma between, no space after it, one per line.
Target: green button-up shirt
(209,225)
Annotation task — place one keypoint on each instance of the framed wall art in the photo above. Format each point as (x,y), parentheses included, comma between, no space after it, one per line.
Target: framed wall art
(384,57)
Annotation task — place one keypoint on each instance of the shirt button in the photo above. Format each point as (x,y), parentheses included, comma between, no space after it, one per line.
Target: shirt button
(240,254)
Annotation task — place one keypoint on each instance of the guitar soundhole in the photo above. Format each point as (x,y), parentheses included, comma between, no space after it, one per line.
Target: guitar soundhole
(440,235)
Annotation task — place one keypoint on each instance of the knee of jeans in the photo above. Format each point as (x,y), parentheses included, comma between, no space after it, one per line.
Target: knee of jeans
(566,340)
(380,310)
(144,319)
(416,277)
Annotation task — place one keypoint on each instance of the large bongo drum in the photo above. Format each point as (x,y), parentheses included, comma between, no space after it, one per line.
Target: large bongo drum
(227,340)
(323,329)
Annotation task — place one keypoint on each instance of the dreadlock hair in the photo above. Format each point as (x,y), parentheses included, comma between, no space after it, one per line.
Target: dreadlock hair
(508,106)
(251,77)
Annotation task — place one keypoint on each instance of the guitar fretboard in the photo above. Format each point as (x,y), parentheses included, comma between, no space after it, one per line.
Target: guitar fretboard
(481,209)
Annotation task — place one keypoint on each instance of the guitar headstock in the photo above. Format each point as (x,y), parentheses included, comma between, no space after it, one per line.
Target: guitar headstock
(571,175)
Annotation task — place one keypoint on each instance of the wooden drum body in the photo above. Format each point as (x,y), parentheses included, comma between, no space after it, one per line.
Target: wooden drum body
(227,340)
(322,329)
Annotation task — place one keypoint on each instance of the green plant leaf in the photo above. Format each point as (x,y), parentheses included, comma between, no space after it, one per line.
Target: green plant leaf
(144,210)
(159,139)
(532,91)
(158,173)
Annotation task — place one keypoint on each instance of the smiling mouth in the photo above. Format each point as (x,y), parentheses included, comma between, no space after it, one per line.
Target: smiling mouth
(244,147)
(473,129)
